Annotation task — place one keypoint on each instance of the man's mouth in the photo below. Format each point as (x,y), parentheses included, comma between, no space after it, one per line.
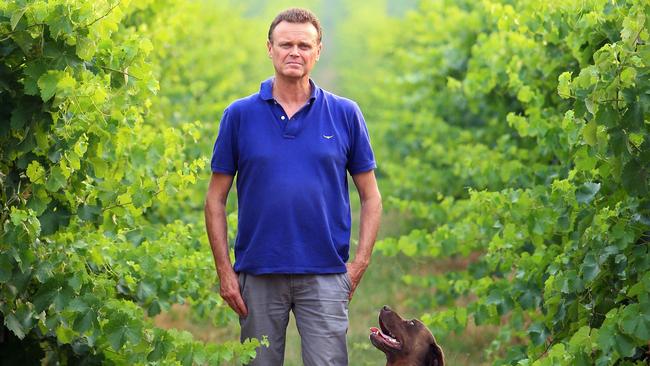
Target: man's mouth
(385,336)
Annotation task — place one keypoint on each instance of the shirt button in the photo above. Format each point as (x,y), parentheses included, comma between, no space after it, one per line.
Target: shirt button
(282,118)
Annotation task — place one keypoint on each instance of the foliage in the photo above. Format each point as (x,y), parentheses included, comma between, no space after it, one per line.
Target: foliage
(521,141)
(97,166)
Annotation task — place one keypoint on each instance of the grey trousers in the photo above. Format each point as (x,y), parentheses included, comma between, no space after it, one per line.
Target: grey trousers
(319,304)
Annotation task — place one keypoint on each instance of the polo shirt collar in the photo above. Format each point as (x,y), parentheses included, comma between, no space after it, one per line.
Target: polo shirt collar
(266,89)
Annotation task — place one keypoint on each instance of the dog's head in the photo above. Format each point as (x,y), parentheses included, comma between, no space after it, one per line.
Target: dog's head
(405,341)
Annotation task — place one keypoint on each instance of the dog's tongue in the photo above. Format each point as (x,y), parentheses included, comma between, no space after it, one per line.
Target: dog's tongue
(392,341)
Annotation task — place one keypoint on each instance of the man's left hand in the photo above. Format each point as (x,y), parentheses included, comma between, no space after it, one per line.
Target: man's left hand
(355,271)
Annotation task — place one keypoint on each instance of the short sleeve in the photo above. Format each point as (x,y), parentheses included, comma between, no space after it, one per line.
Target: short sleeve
(360,158)
(224,153)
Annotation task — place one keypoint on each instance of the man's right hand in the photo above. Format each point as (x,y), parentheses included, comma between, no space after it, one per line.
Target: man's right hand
(229,291)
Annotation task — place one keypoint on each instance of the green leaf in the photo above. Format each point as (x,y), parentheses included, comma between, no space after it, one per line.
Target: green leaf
(44,271)
(580,339)
(564,87)
(61,25)
(85,321)
(145,291)
(161,348)
(15,17)
(52,220)
(589,133)
(587,191)
(47,83)
(644,53)
(636,139)
(538,333)
(33,71)
(607,116)
(44,296)
(64,334)
(62,298)
(624,344)
(86,48)
(635,178)
(66,85)
(617,141)
(18,216)
(6,267)
(78,305)
(590,267)
(119,330)
(19,117)
(407,246)
(56,180)
(635,322)
(154,309)
(35,172)
(627,77)
(115,331)
(633,117)
(76,281)
(141,196)
(525,94)
(12,323)
(89,212)
(632,24)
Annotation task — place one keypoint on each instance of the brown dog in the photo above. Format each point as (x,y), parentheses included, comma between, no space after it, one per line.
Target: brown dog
(405,342)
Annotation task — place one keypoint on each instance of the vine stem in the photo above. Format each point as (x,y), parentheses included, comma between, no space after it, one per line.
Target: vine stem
(105,15)
(120,71)
(548,347)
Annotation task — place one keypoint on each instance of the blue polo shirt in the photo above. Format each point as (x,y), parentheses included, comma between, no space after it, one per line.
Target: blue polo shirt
(291,177)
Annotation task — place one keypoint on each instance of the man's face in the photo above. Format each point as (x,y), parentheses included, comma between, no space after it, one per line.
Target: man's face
(294,49)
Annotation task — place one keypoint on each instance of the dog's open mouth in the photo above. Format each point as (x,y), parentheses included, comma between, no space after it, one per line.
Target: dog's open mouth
(384,336)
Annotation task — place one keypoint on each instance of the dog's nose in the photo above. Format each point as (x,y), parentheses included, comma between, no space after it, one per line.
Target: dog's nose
(386,308)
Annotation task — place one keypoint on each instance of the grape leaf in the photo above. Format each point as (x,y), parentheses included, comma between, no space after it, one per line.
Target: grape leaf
(587,191)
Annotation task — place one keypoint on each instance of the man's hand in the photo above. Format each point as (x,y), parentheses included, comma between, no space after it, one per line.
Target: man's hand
(369,218)
(217,228)
(355,271)
(229,291)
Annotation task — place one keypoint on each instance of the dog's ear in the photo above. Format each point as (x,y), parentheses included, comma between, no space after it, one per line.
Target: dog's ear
(435,357)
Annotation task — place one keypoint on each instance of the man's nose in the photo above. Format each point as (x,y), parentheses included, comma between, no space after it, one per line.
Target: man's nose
(294,50)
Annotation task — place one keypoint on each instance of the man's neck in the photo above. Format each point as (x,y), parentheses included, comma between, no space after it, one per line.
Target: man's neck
(293,91)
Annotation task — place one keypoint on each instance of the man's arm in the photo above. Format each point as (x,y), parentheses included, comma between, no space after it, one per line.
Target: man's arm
(216,226)
(370,217)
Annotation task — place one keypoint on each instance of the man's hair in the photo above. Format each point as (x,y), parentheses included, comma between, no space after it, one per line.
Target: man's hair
(297,15)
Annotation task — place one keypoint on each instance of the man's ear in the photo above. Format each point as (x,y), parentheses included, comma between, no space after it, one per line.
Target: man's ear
(435,357)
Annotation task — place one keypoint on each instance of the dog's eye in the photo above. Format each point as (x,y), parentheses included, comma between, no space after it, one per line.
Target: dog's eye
(411,322)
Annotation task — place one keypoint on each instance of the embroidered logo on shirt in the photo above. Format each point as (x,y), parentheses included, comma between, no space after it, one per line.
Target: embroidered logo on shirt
(328,136)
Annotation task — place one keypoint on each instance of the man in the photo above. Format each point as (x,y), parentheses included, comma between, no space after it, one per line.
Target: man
(291,146)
